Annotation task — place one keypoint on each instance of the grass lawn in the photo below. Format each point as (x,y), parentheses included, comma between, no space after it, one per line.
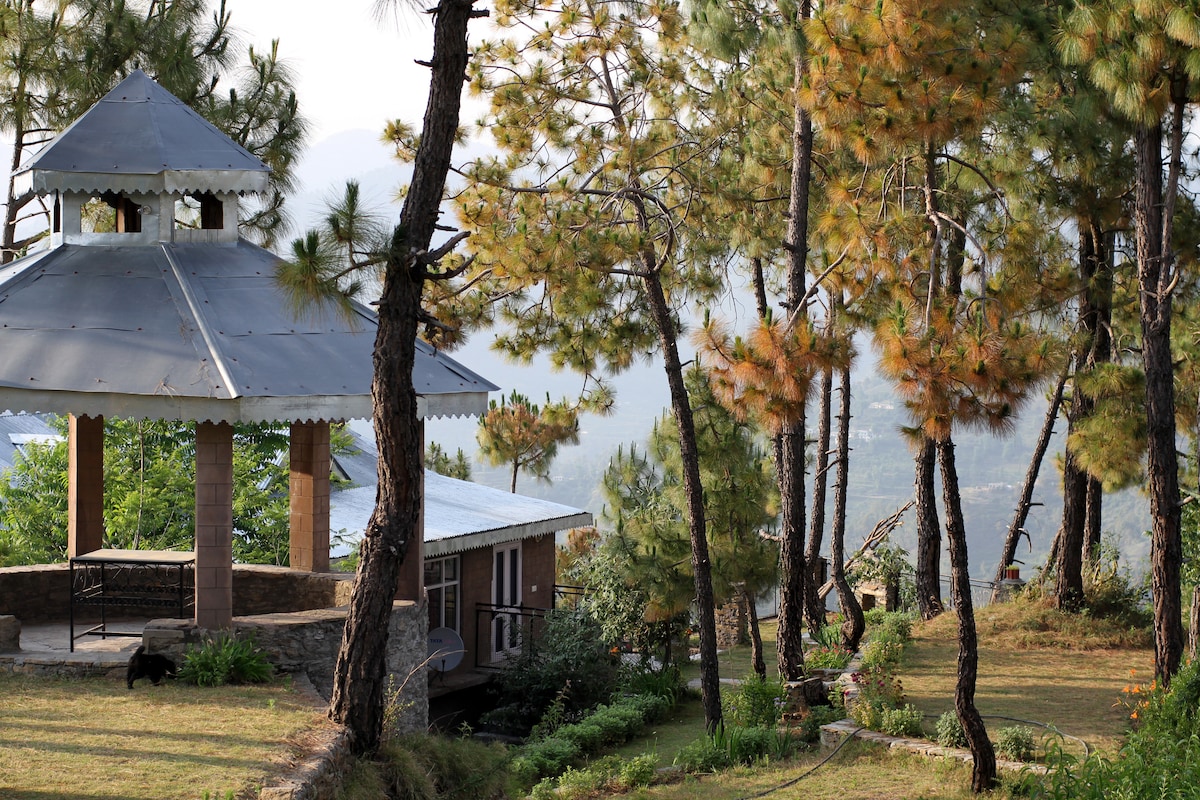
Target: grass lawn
(93,739)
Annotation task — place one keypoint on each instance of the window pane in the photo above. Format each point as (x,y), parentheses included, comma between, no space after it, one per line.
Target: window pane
(433,572)
(435,609)
(450,569)
(450,603)
(499,599)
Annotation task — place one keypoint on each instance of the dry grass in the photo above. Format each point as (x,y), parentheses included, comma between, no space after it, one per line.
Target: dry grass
(1035,663)
(92,739)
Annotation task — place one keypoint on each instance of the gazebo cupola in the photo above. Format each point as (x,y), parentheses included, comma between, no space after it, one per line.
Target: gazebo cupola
(147,304)
(163,172)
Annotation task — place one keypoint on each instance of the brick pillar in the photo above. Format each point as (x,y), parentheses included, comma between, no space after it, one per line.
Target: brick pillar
(309,496)
(85,485)
(214,525)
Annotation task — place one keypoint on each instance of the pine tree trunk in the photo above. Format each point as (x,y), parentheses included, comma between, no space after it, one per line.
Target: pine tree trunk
(853,625)
(359,674)
(929,539)
(788,444)
(710,682)
(1017,526)
(1162,466)
(814,606)
(983,776)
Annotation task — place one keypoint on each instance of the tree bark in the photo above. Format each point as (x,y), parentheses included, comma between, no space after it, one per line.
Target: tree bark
(1154,290)
(814,605)
(929,537)
(853,625)
(1017,526)
(681,406)
(788,444)
(359,674)
(983,776)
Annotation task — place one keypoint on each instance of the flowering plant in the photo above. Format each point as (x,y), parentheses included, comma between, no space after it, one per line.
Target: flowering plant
(876,690)
(835,657)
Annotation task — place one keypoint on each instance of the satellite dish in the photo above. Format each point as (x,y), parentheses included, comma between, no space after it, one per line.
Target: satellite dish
(445,649)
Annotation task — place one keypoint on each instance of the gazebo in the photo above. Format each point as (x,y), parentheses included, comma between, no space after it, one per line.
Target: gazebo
(165,313)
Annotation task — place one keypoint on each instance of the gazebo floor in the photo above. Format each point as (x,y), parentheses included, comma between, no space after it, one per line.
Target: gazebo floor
(48,644)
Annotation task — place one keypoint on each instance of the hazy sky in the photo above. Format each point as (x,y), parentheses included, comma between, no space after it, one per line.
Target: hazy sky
(353,71)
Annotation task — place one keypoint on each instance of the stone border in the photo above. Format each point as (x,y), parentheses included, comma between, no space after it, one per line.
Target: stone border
(834,732)
(322,772)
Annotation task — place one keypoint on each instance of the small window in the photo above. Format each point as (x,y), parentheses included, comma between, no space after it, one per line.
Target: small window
(200,211)
(110,213)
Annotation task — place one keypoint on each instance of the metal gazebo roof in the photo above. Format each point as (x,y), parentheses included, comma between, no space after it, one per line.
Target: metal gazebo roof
(192,332)
(141,138)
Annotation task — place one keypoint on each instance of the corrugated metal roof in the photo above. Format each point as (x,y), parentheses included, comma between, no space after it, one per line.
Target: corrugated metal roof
(190,331)
(461,515)
(141,138)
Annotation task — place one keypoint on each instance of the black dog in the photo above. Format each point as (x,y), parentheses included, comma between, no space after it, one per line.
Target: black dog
(148,665)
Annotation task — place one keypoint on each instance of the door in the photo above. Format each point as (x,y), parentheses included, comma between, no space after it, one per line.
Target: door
(506,599)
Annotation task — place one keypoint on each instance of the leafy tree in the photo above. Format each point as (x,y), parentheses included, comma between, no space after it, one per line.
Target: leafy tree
(441,462)
(33,506)
(599,204)
(518,434)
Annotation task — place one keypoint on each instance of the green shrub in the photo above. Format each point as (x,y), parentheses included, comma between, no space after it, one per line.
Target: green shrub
(702,755)
(904,721)
(827,636)
(567,660)
(1015,743)
(950,731)
(895,625)
(668,682)
(732,745)
(225,659)
(544,758)
(878,690)
(637,771)
(608,774)
(755,702)
(750,745)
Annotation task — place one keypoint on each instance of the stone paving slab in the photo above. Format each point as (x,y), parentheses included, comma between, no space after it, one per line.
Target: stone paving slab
(834,732)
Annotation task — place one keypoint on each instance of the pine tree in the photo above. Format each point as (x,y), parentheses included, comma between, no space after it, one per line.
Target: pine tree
(518,434)
(1144,56)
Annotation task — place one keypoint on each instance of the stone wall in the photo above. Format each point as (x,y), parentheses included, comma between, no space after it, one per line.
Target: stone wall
(42,593)
(39,593)
(259,589)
